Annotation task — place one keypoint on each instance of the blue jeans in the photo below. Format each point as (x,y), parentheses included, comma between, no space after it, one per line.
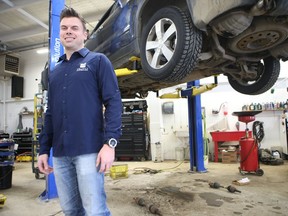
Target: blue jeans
(80,186)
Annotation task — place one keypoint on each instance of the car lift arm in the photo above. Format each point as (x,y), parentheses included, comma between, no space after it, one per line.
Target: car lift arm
(125,71)
(192,91)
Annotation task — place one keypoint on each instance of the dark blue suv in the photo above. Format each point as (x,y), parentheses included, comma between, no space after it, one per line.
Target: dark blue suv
(176,41)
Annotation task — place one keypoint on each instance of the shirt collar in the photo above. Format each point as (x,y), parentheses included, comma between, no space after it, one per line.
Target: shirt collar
(83,52)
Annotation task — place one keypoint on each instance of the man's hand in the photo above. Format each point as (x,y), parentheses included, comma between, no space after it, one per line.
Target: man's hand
(105,158)
(43,164)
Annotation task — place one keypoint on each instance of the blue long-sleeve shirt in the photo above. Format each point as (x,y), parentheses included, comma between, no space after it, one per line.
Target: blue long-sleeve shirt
(74,121)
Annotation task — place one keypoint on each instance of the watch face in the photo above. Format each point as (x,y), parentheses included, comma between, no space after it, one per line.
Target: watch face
(112,143)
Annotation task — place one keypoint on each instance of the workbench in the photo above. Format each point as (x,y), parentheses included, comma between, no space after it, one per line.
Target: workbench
(225,136)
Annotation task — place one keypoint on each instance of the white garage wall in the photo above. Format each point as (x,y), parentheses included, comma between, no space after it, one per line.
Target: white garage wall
(235,101)
(212,100)
(31,66)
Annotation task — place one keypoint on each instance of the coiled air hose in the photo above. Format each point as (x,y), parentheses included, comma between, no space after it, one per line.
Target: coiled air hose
(258,131)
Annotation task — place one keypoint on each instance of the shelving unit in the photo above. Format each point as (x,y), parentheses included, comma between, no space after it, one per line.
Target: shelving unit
(276,106)
(38,125)
(134,142)
(24,141)
(23,137)
(38,115)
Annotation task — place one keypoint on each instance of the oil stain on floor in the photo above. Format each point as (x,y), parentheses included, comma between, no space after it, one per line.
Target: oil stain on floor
(215,200)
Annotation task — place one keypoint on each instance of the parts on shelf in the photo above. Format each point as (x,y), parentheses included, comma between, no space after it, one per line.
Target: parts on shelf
(4,136)
(6,152)
(24,141)
(282,105)
(134,106)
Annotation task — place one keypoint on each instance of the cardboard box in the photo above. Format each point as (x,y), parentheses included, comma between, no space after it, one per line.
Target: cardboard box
(229,157)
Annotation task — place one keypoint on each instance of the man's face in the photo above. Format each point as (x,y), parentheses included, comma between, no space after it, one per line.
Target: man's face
(72,33)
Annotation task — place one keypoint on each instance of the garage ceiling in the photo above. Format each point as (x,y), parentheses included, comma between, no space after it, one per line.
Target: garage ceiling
(24,24)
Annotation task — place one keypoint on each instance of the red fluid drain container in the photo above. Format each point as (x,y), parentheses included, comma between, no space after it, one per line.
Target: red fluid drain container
(249,155)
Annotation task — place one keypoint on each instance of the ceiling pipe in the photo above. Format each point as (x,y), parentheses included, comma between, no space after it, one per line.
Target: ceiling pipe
(4,80)
(24,48)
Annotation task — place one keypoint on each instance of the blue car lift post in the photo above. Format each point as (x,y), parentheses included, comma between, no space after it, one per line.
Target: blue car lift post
(192,93)
(55,51)
(196,144)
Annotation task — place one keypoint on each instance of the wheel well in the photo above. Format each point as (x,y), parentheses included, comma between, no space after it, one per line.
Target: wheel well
(151,6)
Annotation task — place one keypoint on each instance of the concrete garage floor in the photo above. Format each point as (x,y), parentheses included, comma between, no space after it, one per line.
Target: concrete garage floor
(174,190)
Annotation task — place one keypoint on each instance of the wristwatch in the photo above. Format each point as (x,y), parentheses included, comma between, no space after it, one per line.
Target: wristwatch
(112,142)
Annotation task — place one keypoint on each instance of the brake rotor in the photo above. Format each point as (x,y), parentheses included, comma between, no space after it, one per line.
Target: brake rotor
(263,34)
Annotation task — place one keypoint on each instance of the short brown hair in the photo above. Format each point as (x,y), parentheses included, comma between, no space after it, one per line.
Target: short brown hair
(70,12)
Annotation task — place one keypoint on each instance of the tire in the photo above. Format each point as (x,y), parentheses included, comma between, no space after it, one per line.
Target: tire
(266,79)
(182,47)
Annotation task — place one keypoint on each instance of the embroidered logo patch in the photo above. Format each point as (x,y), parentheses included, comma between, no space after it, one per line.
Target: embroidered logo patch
(82,67)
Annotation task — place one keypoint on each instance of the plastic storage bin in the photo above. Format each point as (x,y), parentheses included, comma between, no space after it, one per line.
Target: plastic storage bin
(119,171)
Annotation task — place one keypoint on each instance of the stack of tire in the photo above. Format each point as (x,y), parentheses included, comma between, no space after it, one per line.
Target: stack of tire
(269,158)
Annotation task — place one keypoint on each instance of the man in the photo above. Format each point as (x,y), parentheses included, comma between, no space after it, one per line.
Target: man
(83,139)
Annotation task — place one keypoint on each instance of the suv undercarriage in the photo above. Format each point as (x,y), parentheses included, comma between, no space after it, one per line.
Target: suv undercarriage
(181,41)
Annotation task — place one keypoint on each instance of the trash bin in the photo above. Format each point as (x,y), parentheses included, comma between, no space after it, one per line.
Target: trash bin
(6,176)
(6,163)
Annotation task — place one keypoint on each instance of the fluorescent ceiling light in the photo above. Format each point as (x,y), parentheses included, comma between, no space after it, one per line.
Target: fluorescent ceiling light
(42,50)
